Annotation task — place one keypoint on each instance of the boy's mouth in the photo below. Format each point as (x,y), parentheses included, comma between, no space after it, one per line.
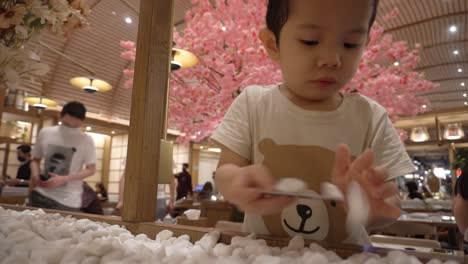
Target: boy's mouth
(324,82)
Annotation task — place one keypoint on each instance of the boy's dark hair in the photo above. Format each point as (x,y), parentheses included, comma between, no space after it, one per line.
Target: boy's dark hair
(185,165)
(75,109)
(24,148)
(278,13)
(461,187)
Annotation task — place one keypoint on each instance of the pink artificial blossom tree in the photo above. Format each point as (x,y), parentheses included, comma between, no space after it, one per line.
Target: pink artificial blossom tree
(225,38)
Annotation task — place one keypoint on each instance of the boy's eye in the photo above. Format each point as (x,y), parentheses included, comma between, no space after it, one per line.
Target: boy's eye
(310,42)
(351,46)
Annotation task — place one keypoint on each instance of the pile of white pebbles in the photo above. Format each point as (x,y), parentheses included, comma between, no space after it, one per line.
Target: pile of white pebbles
(38,237)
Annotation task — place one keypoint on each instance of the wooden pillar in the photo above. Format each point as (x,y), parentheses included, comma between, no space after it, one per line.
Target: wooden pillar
(148,110)
(452,157)
(106,159)
(5,160)
(194,164)
(2,100)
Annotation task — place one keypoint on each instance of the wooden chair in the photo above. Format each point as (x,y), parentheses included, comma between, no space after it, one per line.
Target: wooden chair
(216,211)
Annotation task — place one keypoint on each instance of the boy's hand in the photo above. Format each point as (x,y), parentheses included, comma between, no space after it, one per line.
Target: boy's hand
(245,192)
(372,180)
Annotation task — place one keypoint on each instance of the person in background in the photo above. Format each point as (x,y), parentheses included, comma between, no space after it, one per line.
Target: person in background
(427,194)
(206,192)
(460,203)
(90,202)
(184,183)
(101,192)
(23,174)
(413,191)
(69,157)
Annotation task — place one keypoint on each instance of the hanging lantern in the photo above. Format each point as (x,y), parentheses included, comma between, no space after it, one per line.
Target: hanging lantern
(419,134)
(454,132)
(90,85)
(40,102)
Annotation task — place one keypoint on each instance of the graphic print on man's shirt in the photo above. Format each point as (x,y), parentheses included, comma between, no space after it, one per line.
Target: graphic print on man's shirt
(58,159)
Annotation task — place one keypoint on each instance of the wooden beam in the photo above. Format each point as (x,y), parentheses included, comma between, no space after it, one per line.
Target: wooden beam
(148,109)
(5,160)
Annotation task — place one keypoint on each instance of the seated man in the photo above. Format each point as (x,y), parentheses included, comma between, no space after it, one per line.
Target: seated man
(23,175)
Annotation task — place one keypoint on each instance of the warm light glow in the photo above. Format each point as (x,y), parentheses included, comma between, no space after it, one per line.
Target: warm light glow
(60,123)
(223,28)
(456,52)
(90,85)
(112,132)
(88,128)
(396,64)
(453,132)
(424,106)
(128,20)
(460,70)
(453,29)
(419,134)
(217,150)
(439,173)
(462,84)
(464,95)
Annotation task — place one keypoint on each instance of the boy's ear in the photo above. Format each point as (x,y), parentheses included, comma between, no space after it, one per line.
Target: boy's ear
(269,42)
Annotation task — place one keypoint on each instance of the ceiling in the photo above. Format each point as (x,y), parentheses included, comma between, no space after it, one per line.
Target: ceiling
(97,47)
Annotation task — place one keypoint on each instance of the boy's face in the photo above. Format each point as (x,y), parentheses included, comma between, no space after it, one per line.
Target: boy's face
(321,45)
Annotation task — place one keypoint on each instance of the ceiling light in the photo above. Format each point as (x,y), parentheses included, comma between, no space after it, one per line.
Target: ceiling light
(217,150)
(88,128)
(454,131)
(462,84)
(464,95)
(456,52)
(419,134)
(60,123)
(128,20)
(114,13)
(466,103)
(90,85)
(460,70)
(396,64)
(40,102)
(223,28)
(424,106)
(453,29)
(182,59)
(112,132)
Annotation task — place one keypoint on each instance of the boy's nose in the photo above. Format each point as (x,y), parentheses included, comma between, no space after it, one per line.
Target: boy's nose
(329,58)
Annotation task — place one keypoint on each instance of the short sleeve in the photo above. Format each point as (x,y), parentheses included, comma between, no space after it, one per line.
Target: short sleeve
(234,130)
(38,149)
(90,151)
(389,150)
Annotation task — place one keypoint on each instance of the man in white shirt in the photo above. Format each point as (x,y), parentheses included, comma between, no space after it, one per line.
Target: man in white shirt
(69,157)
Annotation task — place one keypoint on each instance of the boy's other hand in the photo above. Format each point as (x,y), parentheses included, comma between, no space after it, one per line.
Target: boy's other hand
(246,188)
(372,180)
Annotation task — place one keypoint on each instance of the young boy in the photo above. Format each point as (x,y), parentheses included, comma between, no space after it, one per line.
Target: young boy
(318,45)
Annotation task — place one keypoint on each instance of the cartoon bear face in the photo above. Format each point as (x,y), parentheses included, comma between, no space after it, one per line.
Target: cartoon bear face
(312,219)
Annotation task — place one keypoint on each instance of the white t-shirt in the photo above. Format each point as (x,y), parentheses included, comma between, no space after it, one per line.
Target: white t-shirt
(65,151)
(301,143)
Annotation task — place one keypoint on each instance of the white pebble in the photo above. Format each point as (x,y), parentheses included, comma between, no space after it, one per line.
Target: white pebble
(164,235)
(358,210)
(331,191)
(296,243)
(290,185)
